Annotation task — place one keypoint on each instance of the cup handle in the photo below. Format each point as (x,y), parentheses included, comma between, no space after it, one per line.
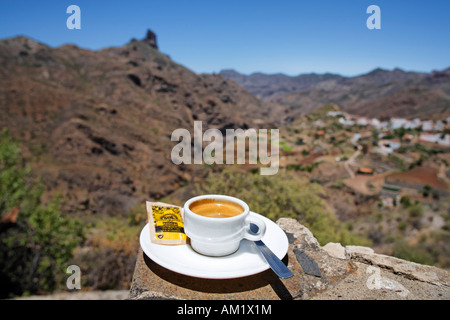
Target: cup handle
(251,218)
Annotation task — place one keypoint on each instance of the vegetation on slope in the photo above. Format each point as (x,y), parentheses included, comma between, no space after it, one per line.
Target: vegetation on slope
(37,240)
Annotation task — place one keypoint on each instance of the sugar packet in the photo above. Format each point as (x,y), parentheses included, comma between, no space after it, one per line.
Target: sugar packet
(166,223)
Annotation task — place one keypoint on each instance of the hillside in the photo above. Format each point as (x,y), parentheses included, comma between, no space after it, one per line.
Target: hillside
(96,125)
(379,93)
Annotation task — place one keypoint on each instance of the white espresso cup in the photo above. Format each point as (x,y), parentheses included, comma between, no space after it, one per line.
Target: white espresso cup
(220,236)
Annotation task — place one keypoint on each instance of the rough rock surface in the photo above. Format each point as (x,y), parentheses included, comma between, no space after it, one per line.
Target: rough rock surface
(350,272)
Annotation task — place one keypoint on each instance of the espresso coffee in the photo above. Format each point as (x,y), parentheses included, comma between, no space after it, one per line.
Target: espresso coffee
(216,208)
(216,224)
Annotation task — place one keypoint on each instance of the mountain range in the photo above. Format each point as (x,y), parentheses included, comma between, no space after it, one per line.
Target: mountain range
(97,125)
(379,93)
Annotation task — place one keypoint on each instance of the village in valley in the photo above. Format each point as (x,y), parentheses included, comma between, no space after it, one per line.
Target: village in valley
(386,178)
(410,155)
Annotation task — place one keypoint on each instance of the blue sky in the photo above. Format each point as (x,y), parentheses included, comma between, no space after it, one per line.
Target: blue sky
(290,37)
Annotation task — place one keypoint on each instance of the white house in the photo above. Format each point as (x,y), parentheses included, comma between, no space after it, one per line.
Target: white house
(429,137)
(412,124)
(319,123)
(444,141)
(356,137)
(346,122)
(397,123)
(427,125)
(382,125)
(386,146)
(363,121)
(395,144)
(439,125)
(335,113)
(375,122)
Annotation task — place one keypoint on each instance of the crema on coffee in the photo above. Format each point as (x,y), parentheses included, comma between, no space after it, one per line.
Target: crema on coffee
(216,208)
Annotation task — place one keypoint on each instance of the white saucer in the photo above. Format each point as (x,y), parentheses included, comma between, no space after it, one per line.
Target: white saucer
(244,262)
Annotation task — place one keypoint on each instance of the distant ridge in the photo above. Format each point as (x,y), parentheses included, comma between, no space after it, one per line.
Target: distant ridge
(379,93)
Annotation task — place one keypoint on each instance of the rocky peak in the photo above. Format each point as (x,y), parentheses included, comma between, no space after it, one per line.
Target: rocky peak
(150,39)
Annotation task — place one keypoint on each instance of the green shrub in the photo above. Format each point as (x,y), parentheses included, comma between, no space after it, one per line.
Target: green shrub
(399,163)
(415,211)
(405,201)
(302,167)
(417,254)
(402,225)
(34,249)
(426,191)
(285,146)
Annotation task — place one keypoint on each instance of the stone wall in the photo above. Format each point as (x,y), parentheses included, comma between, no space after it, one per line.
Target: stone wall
(328,272)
